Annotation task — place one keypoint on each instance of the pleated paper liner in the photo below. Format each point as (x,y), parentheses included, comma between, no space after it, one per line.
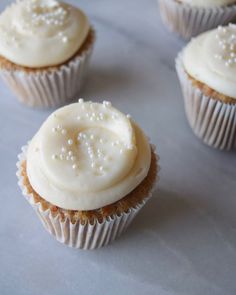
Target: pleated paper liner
(83,235)
(50,88)
(188,21)
(212,120)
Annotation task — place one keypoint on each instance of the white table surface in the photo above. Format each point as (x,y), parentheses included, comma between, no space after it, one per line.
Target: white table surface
(184,240)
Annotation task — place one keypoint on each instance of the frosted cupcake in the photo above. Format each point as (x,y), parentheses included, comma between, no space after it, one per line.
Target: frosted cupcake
(45,47)
(87,173)
(207,72)
(189,18)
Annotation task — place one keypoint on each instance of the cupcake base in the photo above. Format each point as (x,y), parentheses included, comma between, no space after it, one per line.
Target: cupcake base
(88,229)
(211,119)
(50,86)
(188,21)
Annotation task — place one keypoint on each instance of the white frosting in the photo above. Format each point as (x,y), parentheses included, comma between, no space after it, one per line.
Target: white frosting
(86,156)
(39,33)
(211,59)
(208,3)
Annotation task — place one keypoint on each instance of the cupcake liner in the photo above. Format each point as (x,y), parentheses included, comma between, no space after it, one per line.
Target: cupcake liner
(188,21)
(80,235)
(50,88)
(211,120)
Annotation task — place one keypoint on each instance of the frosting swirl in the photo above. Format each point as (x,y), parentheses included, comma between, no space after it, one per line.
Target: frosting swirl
(40,33)
(211,59)
(208,3)
(86,156)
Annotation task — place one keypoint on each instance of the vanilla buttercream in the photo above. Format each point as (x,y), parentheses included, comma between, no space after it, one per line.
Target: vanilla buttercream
(86,156)
(41,33)
(211,59)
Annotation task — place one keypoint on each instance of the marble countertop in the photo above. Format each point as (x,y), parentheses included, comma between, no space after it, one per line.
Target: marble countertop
(184,240)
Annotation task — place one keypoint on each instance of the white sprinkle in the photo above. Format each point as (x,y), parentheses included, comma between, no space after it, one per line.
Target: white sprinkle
(78,118)
(74,166)
(70,141)
(73,158)
(54,129)
(101,168)
(121,151)
(92,136)
(64,39)
(106,103)
(63,149)
(81,100)
(70,153)
(54,157)
(128,116)
(63,131)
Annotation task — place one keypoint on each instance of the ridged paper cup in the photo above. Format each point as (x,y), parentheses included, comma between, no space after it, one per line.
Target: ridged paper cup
(81,235)
(212,120)
(188,21)
(52,87)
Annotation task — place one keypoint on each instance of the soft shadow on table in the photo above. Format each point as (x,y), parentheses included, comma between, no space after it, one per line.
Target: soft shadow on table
(164,207)
(172,232)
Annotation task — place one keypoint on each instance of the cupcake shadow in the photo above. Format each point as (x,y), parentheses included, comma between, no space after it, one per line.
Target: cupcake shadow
(170,239)
(164,208)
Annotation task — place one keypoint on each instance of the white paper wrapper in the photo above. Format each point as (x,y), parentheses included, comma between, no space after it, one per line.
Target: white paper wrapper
(50,88)
(188,21)
(212,121)
(81,236)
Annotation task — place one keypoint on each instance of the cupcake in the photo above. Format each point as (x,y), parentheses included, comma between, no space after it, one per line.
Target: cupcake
(207,72)
(87,173)
(45,47)
(189,18)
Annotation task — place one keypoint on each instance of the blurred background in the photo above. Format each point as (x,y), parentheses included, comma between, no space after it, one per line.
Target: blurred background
(184,240)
